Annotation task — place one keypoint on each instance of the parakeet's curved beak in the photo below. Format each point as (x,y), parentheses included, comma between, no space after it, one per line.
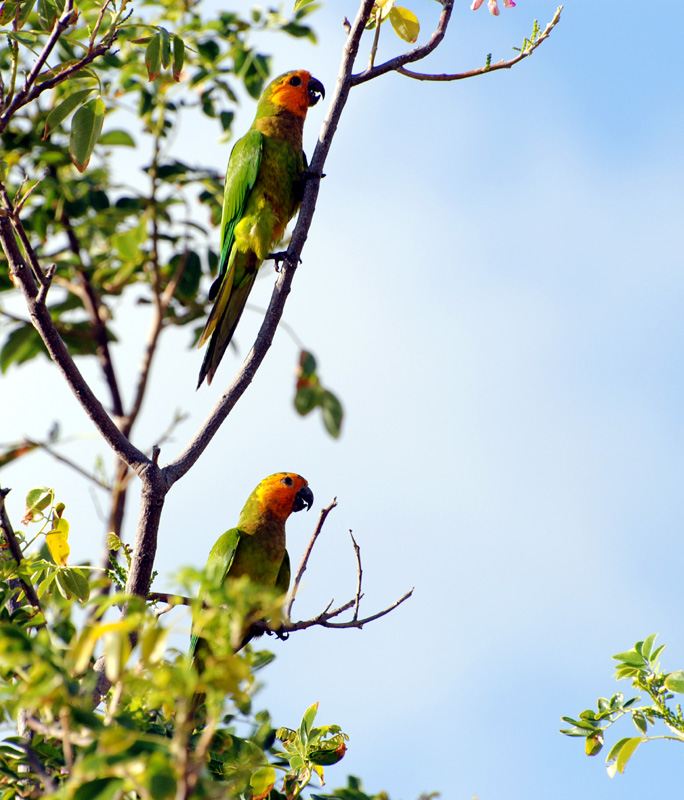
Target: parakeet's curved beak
(303,499)
(316,91)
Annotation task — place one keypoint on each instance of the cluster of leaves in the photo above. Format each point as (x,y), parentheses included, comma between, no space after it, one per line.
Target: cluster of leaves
(641,665)
(145,742)
(42,569)
(403,20)
(105,238)
(310,394)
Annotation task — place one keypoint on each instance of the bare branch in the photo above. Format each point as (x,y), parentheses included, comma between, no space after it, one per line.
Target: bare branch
(169,599)
(69,463)
(398,63)
(524,53)
(305,558)
(44,324)
(357,599)
(324,618)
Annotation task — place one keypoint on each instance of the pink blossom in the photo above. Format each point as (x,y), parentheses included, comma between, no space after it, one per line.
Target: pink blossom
(492,5)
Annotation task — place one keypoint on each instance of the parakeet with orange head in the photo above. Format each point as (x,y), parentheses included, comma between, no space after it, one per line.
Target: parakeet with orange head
(256,547)
(263,191)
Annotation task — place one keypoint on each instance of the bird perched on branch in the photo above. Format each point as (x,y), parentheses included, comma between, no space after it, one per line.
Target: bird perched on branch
(256,548)
(264,186)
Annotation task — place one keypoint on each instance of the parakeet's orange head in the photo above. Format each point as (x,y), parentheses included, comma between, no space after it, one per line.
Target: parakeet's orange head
(294,91)
(280,495)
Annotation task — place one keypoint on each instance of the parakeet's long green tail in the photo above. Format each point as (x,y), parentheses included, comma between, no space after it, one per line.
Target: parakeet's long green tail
(226,313)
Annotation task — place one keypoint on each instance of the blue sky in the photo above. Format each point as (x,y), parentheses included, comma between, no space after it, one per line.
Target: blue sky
(493,285)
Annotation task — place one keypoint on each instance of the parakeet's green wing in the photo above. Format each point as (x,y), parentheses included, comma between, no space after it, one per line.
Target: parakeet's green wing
(282,583)
(241,174)
(243,168)
(218,564)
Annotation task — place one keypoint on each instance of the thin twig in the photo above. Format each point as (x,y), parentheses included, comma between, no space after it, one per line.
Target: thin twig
(524,53)
(305,558)
(69,463)
(46,284)
(66,743)
(170,599)
(357,551)
(37,766)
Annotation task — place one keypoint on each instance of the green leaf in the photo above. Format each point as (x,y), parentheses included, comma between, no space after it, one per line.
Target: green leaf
(674,682)
(80,584)
(307,722)
(165,48)
(639,721)
(627,751)
(594,744)
(117,139)
(85,131)
(9,10)
(332,413)
(153,57)
(631,657)
(22,344)
(99,789)
(160,778)
(37,500)
(405,24)
(178,57)
(299,4)
(262,781)
(48,11)
(306,399)
(128,244)
(60,112)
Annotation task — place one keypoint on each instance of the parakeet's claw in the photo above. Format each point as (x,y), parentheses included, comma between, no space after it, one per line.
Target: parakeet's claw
(279,258)
(310,175)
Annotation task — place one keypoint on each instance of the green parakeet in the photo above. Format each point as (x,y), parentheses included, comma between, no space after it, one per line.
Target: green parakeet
(264,185)
(256,547)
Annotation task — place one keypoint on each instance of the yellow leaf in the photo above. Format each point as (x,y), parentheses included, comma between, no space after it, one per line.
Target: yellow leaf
(405,24)
(56,540)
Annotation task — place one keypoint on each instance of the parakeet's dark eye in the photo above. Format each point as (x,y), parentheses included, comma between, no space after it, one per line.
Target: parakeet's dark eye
(295,80)
(287,480)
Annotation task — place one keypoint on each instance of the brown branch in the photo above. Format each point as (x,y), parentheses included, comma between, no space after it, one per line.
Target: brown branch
(23,95)
(178,468)
(44,324)
(15,550)
(398,63)
(305,558)
(524,53)
(169,599)
(31,90)
(93,306)
(323,619)
(68,462)
(416,54)
(357,599)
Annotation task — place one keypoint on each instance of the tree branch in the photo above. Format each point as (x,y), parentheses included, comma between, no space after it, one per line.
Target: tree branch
(416,54)
(178,468)
(22,96)
(44,324)
(524,53)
